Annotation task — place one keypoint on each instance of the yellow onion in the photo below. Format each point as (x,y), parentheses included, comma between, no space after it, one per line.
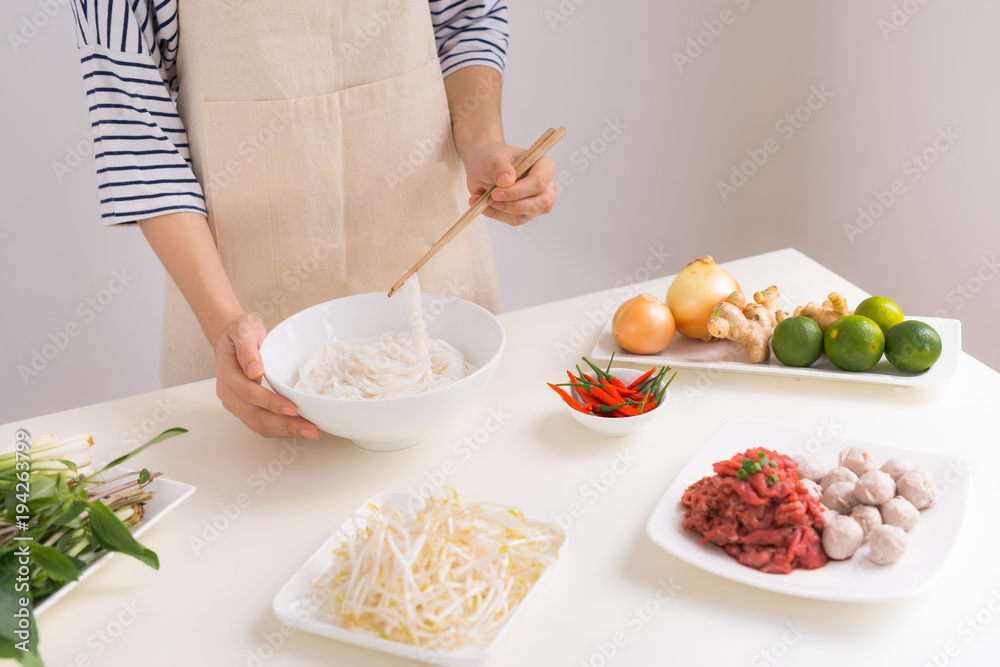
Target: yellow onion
(643,325)
(694,292)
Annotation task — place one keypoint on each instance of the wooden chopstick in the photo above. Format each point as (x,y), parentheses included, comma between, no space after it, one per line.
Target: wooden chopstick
(521,167)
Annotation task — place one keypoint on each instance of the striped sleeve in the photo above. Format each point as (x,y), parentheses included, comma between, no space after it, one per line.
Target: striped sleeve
(128,54)
(470,32)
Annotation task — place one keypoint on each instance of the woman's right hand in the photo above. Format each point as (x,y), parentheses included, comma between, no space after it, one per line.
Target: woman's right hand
(238,370)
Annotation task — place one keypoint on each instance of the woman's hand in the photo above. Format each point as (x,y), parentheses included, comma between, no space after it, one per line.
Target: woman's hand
(515,203)
(238,370)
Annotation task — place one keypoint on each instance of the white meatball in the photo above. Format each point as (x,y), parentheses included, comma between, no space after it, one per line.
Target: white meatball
(814,489)
(842,538)
(900,512)
(839,474)
(917,486)
(896,466)
(874,487)
(869,517)
(840,497)
(810,467)
(886,544)
(856,460)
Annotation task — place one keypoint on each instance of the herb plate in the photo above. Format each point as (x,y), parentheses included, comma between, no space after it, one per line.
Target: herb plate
(293,605)
(857,579)
(168,494)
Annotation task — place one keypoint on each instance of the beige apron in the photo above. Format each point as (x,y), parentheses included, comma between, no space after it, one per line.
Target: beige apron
(320,133)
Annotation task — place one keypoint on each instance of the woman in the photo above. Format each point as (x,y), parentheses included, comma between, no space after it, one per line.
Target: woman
(284,154)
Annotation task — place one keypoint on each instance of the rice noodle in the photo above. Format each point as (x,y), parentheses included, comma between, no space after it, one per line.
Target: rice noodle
(393,364)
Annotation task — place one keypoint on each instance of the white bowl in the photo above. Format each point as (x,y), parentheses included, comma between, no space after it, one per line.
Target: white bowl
(616,427)
(384,424)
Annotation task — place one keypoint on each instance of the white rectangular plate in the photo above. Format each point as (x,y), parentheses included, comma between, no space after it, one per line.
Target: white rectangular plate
(854,580)
(684,352)
(168,495)
(290,605)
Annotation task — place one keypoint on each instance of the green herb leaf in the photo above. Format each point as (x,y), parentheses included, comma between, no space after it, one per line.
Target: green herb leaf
(143,476)
(70,514)
(112,534)
(169,433)
(53,563)
(69,464)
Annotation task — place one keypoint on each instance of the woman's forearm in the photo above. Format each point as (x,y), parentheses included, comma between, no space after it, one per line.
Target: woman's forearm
(184,244)
(474,102)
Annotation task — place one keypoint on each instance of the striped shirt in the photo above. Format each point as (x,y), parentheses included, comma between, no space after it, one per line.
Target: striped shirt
(128,52)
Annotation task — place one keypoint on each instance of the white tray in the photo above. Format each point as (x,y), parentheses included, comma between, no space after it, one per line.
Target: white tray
(684,352)
(855,580)
(290,604)
(168,495)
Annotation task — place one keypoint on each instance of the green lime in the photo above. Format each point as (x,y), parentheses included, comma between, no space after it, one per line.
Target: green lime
(882,310)
(912,346)
(854,343)
(797,341)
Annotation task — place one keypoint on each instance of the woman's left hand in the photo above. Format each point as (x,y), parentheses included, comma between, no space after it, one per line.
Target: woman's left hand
(515,203)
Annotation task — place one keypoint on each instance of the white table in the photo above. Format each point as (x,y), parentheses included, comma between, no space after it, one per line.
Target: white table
(213,607)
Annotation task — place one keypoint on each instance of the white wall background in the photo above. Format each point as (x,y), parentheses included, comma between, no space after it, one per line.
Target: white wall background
(669,135)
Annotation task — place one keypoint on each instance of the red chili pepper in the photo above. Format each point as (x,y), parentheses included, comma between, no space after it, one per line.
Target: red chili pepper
(603,396)
(584,396)
(570,401)
(617,382)
(642,378)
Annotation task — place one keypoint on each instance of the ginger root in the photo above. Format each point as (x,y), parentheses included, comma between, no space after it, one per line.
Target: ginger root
(748,324)
(769,299)
(824,315)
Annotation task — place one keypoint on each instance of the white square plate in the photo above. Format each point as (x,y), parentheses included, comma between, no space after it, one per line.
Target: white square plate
(684,352)
(854,580)
(168,495)
(290,604)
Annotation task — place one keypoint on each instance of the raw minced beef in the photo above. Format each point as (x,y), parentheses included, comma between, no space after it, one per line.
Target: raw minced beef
(774,529)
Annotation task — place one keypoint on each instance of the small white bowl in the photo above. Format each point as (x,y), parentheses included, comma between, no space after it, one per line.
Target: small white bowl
(383,424)
(616,427)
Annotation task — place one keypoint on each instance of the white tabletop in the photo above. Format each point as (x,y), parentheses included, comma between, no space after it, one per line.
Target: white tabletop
(210,603)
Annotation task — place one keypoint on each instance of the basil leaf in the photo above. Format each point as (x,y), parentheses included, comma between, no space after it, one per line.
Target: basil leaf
(112,534)
(70,514)
(143,476)
(53,563)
